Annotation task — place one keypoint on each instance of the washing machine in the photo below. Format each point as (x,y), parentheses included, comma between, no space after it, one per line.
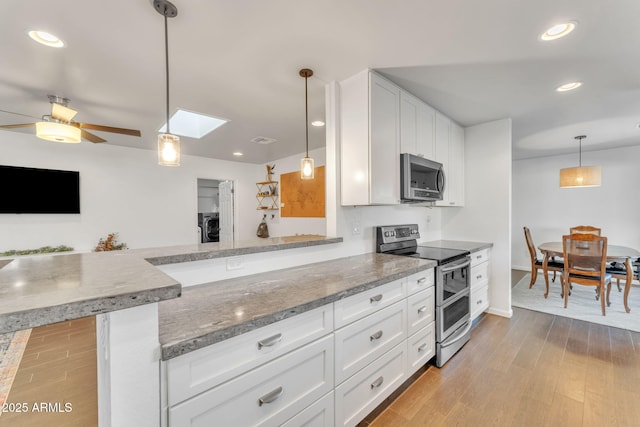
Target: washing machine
(210,227)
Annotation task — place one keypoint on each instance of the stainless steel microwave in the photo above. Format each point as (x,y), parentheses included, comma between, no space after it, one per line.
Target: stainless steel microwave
(420,179)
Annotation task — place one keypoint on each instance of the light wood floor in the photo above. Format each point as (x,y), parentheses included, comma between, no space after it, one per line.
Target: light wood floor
(58,367)
(534,369)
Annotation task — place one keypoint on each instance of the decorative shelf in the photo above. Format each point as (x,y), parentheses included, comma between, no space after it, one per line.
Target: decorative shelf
(268,195)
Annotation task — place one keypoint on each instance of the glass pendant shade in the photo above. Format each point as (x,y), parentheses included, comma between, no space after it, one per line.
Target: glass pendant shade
(583,176)
(168,149)
(306,168)
(58,132)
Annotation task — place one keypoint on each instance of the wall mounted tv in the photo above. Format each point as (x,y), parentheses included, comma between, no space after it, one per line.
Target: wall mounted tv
(39,191)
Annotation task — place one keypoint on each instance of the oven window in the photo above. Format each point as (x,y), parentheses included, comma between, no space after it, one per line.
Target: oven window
(454,282)
(453,313)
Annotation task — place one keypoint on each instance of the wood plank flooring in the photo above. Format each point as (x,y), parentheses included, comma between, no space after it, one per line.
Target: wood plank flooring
(58,367)
(534,369)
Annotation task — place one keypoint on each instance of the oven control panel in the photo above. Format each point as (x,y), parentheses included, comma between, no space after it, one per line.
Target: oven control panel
(397,233)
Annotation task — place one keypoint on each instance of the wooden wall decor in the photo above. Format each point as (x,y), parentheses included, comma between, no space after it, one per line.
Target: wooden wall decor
(301,197)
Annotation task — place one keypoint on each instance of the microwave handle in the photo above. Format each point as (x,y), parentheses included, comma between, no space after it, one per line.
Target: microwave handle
(441,180)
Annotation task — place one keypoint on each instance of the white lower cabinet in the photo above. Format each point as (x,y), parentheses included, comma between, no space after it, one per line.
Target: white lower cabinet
(269,395)
(361,342)
(420,309)
(360,394)
(320,414)
(479,293)
(421,348)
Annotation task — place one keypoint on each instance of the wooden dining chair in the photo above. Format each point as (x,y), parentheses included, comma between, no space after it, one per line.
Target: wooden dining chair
(585,229)
(536,262)
(585,260)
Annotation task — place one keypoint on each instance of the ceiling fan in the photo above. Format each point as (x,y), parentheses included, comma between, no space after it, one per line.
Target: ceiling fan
(60,127)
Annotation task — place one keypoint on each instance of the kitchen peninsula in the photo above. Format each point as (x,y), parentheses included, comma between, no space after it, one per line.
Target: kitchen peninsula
(135,331)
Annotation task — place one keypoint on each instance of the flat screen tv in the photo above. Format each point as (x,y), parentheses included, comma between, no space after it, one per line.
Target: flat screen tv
(39,191)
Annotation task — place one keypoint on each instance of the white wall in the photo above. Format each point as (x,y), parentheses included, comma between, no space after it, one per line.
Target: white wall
(486,216)
(123,190)
(549,211)
(289,226)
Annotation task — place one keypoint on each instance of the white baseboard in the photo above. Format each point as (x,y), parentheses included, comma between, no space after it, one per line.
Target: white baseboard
(519,267)
(503,313)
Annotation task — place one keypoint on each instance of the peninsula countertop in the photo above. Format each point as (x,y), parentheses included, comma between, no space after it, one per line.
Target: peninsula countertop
(44,289)
(210,313)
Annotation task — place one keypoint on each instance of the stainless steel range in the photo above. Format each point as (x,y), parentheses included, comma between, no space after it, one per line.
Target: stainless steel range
(452,284)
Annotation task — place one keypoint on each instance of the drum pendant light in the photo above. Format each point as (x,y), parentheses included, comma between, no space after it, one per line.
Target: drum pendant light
(582,176)
(168,144)
(306,164)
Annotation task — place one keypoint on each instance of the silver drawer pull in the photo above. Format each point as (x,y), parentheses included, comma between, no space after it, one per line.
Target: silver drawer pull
(422,280)
(479,276)
(377,383)
(271,396)
(375,298)
(478,256)
(271,341)
(422,309)
(422,348)
(376,336)
(479,302)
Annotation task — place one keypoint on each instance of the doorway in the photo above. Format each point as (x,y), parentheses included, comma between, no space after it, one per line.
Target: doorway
(215,210)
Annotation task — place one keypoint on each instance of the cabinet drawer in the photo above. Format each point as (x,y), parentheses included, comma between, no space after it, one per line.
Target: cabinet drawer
(479,257)
(358,306)
(207,367)
(269,395)
(421,347)
(419,281)
(421,310)
(320,414)
(360,343)
(479,274)
(479,300)
(360,394)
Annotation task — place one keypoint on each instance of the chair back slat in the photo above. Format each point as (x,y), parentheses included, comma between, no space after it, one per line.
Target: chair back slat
(530,245)
(585,254)
(585,229)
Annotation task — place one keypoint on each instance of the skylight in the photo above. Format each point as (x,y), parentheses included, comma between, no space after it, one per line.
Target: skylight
(193,125)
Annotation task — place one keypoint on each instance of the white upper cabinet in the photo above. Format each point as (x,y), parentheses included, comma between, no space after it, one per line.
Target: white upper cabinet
(450,152)
(370,140)
(417,123)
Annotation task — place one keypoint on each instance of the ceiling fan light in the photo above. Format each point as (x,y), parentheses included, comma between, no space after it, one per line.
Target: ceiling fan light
(583,176)
(168,149)
(306,168)
(58,132)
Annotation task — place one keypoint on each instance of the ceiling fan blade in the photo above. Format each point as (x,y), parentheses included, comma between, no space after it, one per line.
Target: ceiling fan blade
(91,137)
(20,114)
(23,125)
(131,132)
(62,113)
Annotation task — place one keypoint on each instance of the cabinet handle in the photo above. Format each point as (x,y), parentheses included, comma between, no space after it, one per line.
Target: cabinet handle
(377,383)
(479,276)
(271,396)
(271,341)
(479,302)
(375,298)
(478,256)
(422,348)
(376,336)
(422,280)
(422,309)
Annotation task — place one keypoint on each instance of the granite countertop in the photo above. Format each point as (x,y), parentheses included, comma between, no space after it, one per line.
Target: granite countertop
(458,244)
(210,313)
(44,289)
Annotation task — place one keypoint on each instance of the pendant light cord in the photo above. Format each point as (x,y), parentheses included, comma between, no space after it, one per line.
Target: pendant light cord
(166,55)
(306,111)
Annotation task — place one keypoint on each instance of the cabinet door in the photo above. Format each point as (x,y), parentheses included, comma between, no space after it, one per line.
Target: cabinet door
(456,165)
(384,142)
(409,106)
(443,125)
(425,143)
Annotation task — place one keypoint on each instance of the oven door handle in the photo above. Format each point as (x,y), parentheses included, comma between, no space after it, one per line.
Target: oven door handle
(458,338)
(455,267)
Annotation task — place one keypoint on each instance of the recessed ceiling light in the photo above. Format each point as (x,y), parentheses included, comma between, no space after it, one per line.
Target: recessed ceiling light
(557,31)
(193,125)
(317,123)
(45,38)
(569,86)
(237,153)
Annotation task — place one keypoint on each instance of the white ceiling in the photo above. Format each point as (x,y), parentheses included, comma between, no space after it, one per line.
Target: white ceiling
(475,61)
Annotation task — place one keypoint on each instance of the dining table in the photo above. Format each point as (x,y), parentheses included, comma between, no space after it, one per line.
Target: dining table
(615,253)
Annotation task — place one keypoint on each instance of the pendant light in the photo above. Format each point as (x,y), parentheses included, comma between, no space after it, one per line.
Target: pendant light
(168,144)
(582,176)
(306,164)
